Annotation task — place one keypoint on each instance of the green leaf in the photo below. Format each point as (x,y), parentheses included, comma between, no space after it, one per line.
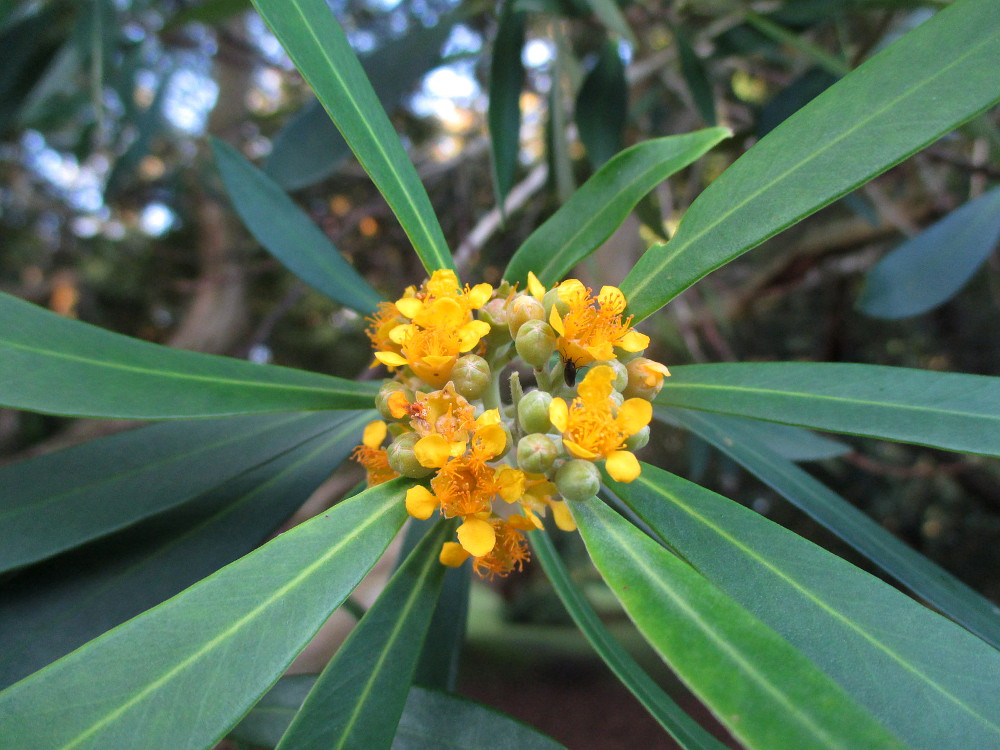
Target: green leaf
(830,63)
(948,410)
(359,697)
(207,11)
(611,16)
(169,678)
(792,98)
(695,76)
(58,606)
(929,269)
(791,443)
(686,731)
(309,147)
(927,83)
(59,366)
(595,210)
(928,680)
(913,570)
(506,83)
(317,45)
(269,719)
(288,234)
(63,499)
(759,686)
(602,106)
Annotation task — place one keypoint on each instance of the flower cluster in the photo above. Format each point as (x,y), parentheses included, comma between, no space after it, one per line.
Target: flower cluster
(501,468)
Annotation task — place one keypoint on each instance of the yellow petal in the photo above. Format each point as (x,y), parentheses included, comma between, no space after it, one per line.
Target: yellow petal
(634,414)
(402,333)
(611,298)
(476,536)
(523,523)
(559,414)
(562,516)
(432,451)
(623,466)
(452,554)
(443,313)
(479,295)
(489,440)
(511,484)
(410,307)
(533,517)
(556,322)
(633,341)
(420,502)
(391,358)
(536,287)
(399,407)
(374,433)
(438,361)
(579,451)
(571,290)
(470,333)
(597,385)
(490,416)
(442,282)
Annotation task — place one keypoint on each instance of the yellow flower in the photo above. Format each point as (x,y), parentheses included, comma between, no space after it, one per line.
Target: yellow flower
(372,456)
(380,325)
(593,428)
(593,326)
(509,551)
(539,495)
(535,287)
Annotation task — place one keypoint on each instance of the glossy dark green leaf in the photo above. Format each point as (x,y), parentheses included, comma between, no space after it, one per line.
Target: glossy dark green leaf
(946,410)
(764,690)
(55,607)
(695,76)
(913,570)
(602,203)
(686,731)
(506,83)
(56,365)
(925,678)
(359,697)
(929,269)
(161,672)
(602,106)
(317,45)
(310,148)
(933,79)
(792,443)
(63,499)
(288,234)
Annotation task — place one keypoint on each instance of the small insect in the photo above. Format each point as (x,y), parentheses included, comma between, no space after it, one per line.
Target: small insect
(569,372)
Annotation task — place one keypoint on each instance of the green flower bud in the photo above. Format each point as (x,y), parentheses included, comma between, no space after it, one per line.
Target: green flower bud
(645,378)
(621,374)
(638,440)
(552,298)
(382,398)
(535,342)
(403,460)
(618,398)
(533,411)
(536,453)
(494,312)
(522,309)
(578,480)
(508,442)
(471,376)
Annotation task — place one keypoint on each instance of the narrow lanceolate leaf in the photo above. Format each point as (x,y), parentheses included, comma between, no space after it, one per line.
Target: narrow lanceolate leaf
(946,410)
(602,106)
(57,606)
(63,499)
(599,207)
(609,14)
(695,76)
(359,697)
(288,234)
(506,82)
(688,733)
(317,45)
(926,679)
(59,366)
(932,267)
(764,690)
(926,84)
(170,677)
(737,439)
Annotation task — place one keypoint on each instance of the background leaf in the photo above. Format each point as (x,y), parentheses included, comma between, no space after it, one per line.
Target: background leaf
(927,83)
(929,269)
(600,206)
(288,234)
(506,83)
(53,608)
(160,671)
(695,76)
(889,652)
(953,411)
(81,370)
(317,45)
(602,106)
(760,687)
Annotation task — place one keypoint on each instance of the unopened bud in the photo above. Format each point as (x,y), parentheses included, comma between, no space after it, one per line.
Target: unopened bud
(535,342)
(494,312)
(536,453)
(533,411)
(552,298)
(403,460)
(471,376)
(382,398)
(645,378)
(578,480)
(638,440)
(522,309)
